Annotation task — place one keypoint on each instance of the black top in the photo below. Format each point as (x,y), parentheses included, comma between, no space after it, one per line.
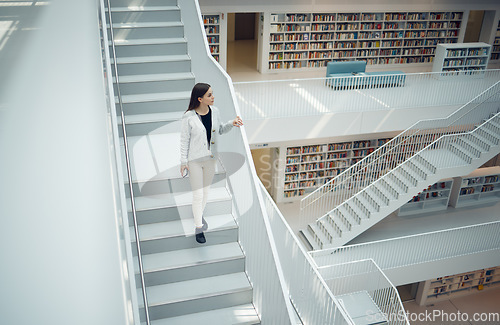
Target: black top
(207,122)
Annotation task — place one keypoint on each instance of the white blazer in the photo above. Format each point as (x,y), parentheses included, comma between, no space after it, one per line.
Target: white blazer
(194,136)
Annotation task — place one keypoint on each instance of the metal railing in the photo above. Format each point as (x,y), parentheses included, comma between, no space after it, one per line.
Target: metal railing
(106,7)
(309,97)
(308,291)
(416,249)
(398,150)
(364,277)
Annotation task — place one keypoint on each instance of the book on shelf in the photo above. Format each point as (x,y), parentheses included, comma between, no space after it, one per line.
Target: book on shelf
(467,191)
(491,179)
(488,188)
(417,29)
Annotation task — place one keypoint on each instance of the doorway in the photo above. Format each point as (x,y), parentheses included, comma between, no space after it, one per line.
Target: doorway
(244,26)
(242,44)
(407,292)
(474,26)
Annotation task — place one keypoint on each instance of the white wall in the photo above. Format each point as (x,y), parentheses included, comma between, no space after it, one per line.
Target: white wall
(59,236)
(440,268)
(313,129)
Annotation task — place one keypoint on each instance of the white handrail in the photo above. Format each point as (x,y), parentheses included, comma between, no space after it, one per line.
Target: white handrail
(308,291)
(313,96)
(415,249)
(106,56)
(395,152)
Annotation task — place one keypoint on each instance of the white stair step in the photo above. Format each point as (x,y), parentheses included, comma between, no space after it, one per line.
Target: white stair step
(387,193)
(495,123)
(359,209)
(196,289)
(148,24)
(493,127)
(149,41)
(349,214)
(479,143)
(155,77)
(413,172)
(141,98)
(422,165)
(379,194)
(182,227)
(406,176)
(320,238)
(473,148)
(238,315)
(368,201)
(342,222)
(390,188)
(491,133)
(465,149)
(153,117)
(484,137)
(151,59)
(151,202)
(308,237)
(142,9)
(191,256)
(336,233)
(396,183)
(441,158)
(152,162)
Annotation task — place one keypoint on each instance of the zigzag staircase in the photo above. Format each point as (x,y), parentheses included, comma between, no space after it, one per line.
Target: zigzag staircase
(385,180)
(186,283)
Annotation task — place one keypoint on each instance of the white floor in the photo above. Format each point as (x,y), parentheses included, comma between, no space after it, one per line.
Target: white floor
(312,97)
(459,311)
(242,66)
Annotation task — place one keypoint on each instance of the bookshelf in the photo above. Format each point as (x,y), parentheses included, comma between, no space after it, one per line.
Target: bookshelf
(310,40)
(495,51)
(479,187)
(432,198)
(452,286)
(461,57)
(310,166)
(216,36)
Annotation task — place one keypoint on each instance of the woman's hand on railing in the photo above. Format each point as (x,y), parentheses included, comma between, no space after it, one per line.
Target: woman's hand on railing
(184,170)
(237,121)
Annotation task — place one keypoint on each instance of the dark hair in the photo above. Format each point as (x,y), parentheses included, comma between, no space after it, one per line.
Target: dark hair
(199,90)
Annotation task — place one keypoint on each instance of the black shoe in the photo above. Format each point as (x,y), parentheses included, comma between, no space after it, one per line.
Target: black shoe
(200,236)
(205,224)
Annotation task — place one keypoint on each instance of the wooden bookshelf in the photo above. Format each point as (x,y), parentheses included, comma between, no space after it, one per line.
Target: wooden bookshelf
(310,40)
(310,166)
(479,187)
(452,286)
(433,198)
(463,57)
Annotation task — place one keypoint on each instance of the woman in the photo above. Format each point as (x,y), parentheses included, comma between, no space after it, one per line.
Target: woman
(201,126)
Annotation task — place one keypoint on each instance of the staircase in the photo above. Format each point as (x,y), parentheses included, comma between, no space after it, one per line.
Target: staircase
(447,152)
(186,283)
